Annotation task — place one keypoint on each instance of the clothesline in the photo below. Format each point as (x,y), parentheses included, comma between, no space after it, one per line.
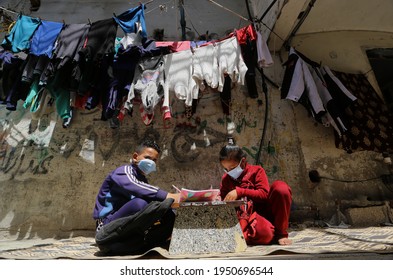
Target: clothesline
(225,8)
(9,11)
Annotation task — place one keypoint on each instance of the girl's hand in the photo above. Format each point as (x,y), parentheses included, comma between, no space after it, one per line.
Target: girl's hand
(232,195)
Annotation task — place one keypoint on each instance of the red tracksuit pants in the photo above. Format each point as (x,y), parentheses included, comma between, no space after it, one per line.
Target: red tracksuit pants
(274,219)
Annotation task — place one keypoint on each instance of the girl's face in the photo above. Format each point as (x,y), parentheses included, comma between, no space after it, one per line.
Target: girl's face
(230,164)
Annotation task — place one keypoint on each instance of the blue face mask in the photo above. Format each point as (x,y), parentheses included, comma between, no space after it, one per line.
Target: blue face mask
(147,166)
(236,172)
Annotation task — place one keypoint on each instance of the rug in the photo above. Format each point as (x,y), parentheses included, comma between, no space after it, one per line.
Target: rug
(307,241)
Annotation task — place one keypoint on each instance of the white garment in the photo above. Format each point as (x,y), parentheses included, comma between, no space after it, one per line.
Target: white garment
(205,66)
(230,61)
(149,83)
(178,71)
(132,39)
(302,80)
(264,56)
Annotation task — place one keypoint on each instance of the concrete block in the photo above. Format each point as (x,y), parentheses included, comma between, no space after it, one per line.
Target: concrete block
(206,229)
(367,216)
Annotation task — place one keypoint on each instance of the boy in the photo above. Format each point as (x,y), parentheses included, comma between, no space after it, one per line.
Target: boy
(126,191)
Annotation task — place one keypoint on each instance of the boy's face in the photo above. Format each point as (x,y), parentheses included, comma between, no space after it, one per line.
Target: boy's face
(147,153)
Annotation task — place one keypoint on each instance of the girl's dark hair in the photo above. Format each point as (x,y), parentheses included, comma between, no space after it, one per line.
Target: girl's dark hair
(148,144)
(231,152)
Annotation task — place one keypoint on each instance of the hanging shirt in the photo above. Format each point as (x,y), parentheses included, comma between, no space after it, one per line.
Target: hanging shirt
(44,38)
(100,40)
(70,41)
(299,83)
(129,19)
(205,66)
(19,38)
(230,62)
(178,71)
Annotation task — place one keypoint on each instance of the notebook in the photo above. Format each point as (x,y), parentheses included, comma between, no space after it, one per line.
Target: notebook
(187,195)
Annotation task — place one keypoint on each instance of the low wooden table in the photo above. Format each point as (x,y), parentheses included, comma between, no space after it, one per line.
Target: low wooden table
(207,227)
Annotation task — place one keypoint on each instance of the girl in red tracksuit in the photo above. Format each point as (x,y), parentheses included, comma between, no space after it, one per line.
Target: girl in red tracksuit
(272,202)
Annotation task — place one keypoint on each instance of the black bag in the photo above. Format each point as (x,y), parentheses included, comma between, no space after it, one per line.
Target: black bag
(135,234)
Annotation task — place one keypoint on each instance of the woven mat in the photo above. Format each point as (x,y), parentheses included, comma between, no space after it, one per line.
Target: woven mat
(307,241)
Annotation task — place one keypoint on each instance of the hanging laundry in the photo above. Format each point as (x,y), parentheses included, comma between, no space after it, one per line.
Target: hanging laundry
(226,96)
(44,38)
(39,100)
(178,70)
(230,62)
(175,46)
(12,88)
(69,42)
(264,56)
(315,87)
(35,66)
(195,44)
(63,70)
(100,40)
(246,33)
(124,65)
(249,53)
(299,86)
(129,20)
(19,37)
(205,66)
(149,82)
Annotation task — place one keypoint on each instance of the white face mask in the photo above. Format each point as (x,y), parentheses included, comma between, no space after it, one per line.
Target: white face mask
(236,172)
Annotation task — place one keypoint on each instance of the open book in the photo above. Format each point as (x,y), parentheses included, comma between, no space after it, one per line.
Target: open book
(187,195)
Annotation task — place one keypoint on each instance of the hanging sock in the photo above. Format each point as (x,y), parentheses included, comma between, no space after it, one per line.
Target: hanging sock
(67,120)
(146,117)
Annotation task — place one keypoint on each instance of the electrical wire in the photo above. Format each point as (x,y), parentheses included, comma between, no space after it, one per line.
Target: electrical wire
(8,11)
(189,18)
(349,181)
(226,9)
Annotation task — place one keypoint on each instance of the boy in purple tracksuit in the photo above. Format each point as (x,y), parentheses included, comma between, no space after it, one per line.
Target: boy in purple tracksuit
(126,191)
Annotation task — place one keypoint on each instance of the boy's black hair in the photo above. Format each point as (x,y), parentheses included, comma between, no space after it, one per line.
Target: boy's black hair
(232,152)
(147,143)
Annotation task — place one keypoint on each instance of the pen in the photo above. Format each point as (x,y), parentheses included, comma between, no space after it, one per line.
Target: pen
(176,188)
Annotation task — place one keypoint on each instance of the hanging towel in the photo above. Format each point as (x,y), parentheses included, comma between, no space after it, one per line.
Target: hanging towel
(129,19)
(19,38)
(44,38)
